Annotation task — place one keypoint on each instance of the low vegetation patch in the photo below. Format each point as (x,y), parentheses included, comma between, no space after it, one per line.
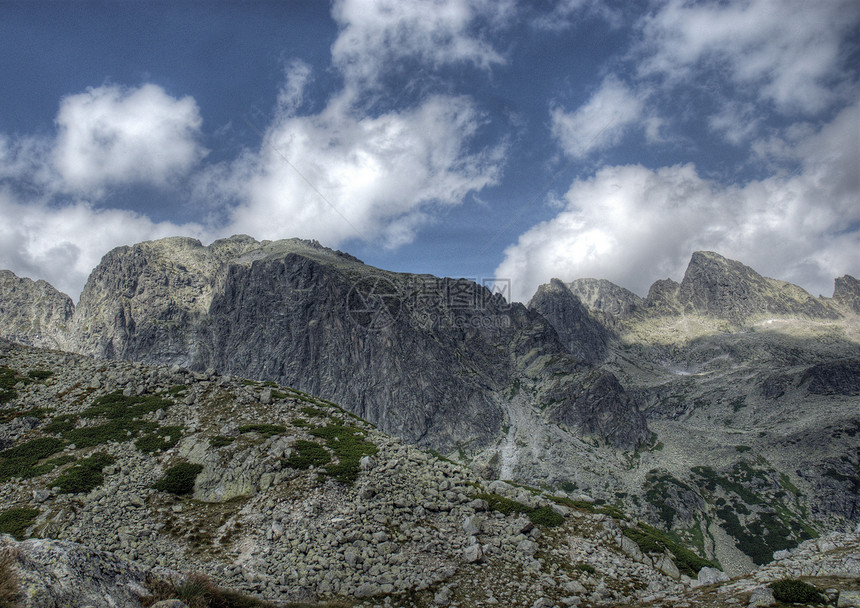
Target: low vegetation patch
(219,441)
(117,406)
(123,414)
(179,479)
(15,521)
(585,567)
(34,412)
(652,540)
(541,516)
(198,591)
(308,454)
(266,430)
(24,460)
(39,374)
(61,424)
(85,476)
(793,591)
(349,446)
(159,440)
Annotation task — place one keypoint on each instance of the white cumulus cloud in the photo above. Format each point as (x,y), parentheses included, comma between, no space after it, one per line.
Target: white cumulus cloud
(374,33)
(787,52)
(62,244)
(115,135)
(633,225)
(599,123)
(340,176)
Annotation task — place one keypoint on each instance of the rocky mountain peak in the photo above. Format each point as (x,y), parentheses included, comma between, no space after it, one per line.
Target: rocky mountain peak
(583,336)
(727,289)
(604,296)
(33,312)
(846,291)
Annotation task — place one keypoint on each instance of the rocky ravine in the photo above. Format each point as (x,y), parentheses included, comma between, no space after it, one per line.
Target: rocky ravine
(287,497)
(751,386)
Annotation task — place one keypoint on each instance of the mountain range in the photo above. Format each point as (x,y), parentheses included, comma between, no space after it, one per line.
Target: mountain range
(722,409)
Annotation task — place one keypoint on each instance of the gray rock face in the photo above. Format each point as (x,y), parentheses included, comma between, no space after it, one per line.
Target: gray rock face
(430,360)
(727,289)
(846,291)
(604,296)
(583,336)
(598,405)
(33,312)
(62,573)
(840,377)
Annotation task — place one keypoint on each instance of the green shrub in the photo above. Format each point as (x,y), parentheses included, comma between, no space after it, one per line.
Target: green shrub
(23,460)
(34,412)
(313,412)
(85,476)
(117,406)
(585,567)
(267,430)
(503,505)
(308,454)
(612,511)
(160,439)
(179,479)
(793,591)
(15,521)
(61,424)
(545,516)
(219,441)
(349,445)
(115,430)
(652,540)
(40,374)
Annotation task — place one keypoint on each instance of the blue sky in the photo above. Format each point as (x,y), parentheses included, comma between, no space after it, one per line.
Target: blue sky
(465,138)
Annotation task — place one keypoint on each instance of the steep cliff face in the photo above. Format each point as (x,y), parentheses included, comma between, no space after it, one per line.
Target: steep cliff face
(33,312)
(583,336)
(427,359)
(846,291)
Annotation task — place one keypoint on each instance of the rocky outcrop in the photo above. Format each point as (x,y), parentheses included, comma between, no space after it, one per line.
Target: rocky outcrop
(846,291)
(727,289)
(598,406)
(33,312)
(604,296)
(840,377)
(62,573)
(583,336)
(427,359)
(279,506)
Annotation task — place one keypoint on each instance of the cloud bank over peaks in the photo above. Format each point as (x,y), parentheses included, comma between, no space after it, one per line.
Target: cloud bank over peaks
(51,186)
(633,225)
(347,176)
